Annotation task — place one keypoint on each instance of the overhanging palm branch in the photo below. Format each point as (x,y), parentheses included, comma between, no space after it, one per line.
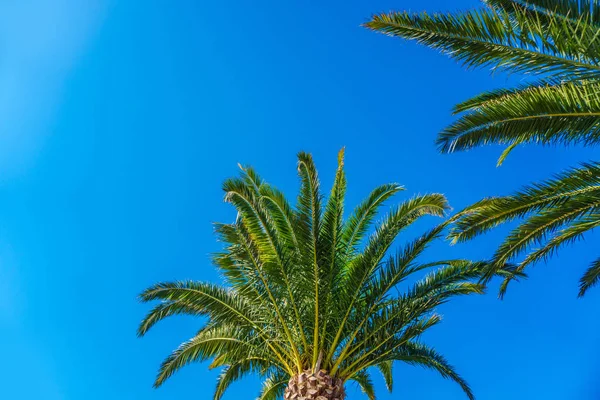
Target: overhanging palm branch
(311,298)
(556,42)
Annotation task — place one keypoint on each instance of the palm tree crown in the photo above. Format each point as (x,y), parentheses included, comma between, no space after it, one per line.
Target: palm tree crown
(309,295)
(558,43)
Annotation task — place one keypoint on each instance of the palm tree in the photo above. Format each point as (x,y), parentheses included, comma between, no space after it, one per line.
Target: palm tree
(557,42)
(306,305)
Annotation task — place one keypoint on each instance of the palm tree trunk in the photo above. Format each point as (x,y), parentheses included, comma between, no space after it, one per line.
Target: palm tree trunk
(314,386)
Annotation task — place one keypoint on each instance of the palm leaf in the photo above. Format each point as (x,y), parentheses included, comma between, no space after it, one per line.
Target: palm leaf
(418,354)
(568,113)
(494,38)
(364,381)
(273,387)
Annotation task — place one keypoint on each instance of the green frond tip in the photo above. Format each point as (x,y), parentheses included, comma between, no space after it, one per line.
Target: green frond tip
(505,154)
(307,289)
(590,278)
(386,370)
(341,157)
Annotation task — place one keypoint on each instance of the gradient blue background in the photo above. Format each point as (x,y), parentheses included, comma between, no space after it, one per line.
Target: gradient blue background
(120,119)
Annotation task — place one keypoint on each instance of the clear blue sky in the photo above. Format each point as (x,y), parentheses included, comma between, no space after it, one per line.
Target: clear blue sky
(120,119)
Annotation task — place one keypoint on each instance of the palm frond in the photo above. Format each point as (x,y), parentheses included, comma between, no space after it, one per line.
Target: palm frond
(512,41)
(362,217)
(167,309)
(590,278)
(233,373)
(400,267)
(489,213)
(332,245)
(419,354)
(568,235)
(537,228)
(364,381)
(220,304)
(568,113)
(206,344)
(558,211)
(386,371)
(310,220)
(273,386)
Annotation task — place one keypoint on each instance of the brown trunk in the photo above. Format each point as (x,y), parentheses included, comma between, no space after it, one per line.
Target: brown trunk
(314,386)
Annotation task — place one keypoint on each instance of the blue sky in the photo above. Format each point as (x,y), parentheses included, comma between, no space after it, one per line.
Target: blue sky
(120,120)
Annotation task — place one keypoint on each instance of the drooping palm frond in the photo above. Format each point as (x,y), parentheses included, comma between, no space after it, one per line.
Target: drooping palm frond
(273,386)
(364,381)
(515,40)
(558,43)
(426,357)
(307,290)
(386,368)
(567,113)
(557,212)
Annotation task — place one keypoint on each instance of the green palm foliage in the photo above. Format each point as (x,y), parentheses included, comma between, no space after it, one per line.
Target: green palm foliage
(306,289)
(556,42)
